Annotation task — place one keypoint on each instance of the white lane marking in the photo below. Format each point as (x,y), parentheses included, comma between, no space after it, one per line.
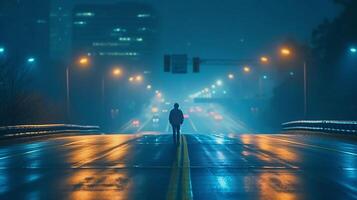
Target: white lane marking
(311,145)
(168,127)
(145,124)
(193,125)
(126,126)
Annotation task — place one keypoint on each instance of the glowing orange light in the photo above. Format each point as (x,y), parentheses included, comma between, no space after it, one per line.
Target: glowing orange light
(285,51)
(83,61)
(264,59)
(138,78)
(117,72)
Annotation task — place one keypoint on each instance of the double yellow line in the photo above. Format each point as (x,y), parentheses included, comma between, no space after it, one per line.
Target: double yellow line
(180,174)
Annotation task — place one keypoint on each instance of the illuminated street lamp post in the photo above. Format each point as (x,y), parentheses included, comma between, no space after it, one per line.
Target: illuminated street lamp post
(286,52)
(82,62)
(115,72)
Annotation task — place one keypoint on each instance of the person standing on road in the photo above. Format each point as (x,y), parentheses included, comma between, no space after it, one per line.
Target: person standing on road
(176,120)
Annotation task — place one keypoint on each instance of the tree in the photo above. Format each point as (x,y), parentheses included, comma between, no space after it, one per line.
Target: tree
(334,85)
(18,104)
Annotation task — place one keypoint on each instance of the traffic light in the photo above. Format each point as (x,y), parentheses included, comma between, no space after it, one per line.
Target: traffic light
(196,64)
(167,63)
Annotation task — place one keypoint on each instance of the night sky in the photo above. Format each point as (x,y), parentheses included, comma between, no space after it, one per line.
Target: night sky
(231,29)
(235,28)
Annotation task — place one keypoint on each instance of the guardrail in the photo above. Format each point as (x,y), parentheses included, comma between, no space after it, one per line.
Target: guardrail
(48,129)
(327,126)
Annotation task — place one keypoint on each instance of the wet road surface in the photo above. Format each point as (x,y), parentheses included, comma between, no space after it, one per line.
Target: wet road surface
(148,165)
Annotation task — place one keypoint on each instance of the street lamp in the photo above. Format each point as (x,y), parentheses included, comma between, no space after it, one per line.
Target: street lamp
(247,69)
(148,87)
(138,78)
(285,51)
(2,50)
(264,59)
(116,72)
(219,83)
(231,76)
(31,60)
(83,62)
(353,50)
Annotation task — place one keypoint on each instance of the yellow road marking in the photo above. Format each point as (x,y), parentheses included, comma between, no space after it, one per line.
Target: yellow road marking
(186,176)
(175,172)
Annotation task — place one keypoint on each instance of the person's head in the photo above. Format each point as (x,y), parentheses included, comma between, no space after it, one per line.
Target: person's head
(176,105)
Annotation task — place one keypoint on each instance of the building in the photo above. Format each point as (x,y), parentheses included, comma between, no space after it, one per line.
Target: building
(60,30)
(122,33)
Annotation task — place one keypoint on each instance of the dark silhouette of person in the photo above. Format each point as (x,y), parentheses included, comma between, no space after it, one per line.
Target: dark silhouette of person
(176,120)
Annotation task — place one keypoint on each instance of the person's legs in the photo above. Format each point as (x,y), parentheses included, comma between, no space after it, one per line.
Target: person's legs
(178,131)
(174,131)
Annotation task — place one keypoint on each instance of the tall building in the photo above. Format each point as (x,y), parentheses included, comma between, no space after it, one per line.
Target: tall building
(60,29)
(122,33)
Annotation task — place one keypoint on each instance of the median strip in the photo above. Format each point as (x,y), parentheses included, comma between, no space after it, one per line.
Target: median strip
(180,175)
(175,173)
(186,174)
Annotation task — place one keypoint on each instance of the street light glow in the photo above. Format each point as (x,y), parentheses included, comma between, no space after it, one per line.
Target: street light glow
(219,83)
(138,78)
(231,76)
(148,87)
(213,86)
(83,61)
(285,51)
(131,79)
(2,49)
(117,72)
(264,59)
(31,60)
(246,69)
(353,50)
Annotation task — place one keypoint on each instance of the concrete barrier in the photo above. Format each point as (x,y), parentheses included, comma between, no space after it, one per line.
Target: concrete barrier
(46,129)
(326,126)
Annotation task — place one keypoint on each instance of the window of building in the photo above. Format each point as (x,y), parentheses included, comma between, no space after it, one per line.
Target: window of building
(144,15)
(85,14)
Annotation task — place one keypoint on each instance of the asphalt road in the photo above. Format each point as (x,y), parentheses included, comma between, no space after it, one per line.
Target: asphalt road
(204,166)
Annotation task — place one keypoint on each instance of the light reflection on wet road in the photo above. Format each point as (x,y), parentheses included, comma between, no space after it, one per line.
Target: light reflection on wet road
(204,166)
